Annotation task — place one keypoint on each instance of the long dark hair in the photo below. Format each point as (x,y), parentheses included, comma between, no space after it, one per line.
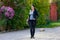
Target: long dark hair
(34,7)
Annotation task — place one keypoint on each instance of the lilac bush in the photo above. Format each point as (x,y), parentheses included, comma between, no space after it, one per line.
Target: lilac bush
(2,8)
(7,14)
(8,11)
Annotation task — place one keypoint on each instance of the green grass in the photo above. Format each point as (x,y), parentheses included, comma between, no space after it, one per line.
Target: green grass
(51,25)
(57,24)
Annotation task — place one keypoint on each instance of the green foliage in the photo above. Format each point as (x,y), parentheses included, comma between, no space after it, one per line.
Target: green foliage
(58,5)
(42,7)
(22,12)
(2,22)
(43,10)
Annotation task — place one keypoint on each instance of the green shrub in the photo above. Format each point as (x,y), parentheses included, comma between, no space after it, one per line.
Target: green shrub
(2,22)
(22,12)
(58,8)
(42,7)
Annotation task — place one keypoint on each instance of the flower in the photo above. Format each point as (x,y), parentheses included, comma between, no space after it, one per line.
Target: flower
(2,8)
(9,12)
(6,14)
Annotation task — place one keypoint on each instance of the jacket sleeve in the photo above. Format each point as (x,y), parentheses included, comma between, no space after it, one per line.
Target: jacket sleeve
(37,14)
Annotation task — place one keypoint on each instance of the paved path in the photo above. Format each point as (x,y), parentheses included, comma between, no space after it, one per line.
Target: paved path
(48,34)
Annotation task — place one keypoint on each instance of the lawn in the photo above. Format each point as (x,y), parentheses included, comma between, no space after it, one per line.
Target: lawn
(53,24)
(50,25)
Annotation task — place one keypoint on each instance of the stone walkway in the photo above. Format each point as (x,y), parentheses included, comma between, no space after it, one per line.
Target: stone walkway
(48,34)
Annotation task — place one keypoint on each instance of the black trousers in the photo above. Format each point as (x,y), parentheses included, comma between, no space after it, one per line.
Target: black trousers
(32,24)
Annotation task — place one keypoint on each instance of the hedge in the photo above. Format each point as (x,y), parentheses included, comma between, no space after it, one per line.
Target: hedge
(22,11)
(58,9)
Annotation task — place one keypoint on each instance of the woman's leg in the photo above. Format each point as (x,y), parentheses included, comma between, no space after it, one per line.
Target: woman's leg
(34,23)
(31,28)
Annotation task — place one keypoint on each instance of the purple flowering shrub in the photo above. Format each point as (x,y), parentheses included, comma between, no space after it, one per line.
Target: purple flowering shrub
(8,12)
(2,8)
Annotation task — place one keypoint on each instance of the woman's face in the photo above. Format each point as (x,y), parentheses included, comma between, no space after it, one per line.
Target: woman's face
(32,7)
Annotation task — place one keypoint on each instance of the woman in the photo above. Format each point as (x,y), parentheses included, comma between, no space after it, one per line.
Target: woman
(32,20)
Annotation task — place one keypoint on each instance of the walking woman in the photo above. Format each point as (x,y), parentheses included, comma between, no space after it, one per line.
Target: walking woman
(32,20)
